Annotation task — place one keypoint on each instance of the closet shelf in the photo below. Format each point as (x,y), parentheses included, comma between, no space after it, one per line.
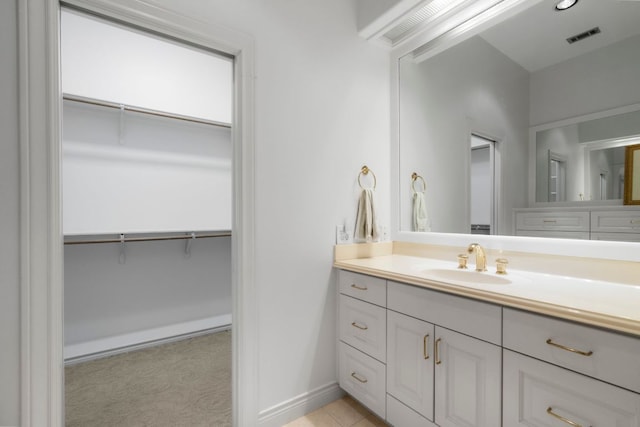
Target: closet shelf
(123,238)
(109,104)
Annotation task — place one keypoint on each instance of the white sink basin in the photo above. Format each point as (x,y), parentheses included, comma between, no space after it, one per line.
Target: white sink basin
(467,277)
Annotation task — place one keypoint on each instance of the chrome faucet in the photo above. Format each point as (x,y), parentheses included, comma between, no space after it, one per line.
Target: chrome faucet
(481,257)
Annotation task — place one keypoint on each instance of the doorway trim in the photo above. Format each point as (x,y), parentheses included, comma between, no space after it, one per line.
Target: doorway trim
(41,237)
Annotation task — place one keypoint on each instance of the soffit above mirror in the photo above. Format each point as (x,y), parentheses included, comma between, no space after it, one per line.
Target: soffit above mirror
(397,21)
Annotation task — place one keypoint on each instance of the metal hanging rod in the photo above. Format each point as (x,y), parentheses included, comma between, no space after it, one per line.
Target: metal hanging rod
(108,104)
(150,239)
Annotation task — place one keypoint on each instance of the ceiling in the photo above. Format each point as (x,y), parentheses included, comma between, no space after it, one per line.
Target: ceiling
(536,38)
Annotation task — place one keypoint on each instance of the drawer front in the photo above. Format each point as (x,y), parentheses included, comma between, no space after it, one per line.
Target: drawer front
(476,318)
(553,221)
(605,355)
(537,394)
(400,415)
(361,286)
(616,221)
(363,377)
(363,326)
(616,237)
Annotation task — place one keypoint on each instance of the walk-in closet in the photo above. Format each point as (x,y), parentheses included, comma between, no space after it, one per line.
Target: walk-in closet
(147,204)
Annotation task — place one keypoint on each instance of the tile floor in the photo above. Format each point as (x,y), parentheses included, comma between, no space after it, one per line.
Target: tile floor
(345,412)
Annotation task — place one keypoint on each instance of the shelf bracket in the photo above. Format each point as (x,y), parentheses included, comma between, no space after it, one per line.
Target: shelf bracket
(187,245)
(122,258)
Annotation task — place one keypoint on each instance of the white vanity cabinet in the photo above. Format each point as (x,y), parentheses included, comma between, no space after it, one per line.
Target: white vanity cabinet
(362,319)
(434,373)
(468,374)
(554,379)
(424,358)
(410,361)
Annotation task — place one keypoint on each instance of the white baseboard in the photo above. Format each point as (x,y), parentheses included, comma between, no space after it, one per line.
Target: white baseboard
(287,411)
(89,350)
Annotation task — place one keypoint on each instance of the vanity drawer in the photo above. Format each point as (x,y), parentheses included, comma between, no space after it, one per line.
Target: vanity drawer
(476,318)
(617,237)
(536,394)
(614,357)
(363,326)
(553,221)
(616,221)
(363,377)
(366,288)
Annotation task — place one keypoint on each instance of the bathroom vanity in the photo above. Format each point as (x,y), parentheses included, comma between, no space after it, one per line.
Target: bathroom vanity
(422,343)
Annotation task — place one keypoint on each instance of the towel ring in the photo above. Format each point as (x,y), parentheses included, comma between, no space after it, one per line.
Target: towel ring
(365,171)
(414,178)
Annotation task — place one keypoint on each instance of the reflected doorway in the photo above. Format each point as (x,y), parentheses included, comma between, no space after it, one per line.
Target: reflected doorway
(482,197)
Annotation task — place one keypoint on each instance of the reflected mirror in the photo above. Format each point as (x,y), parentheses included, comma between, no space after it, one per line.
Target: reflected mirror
(555,100)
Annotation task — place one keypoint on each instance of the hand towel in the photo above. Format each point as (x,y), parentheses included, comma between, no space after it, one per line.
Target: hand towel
(366,220)
(420,216)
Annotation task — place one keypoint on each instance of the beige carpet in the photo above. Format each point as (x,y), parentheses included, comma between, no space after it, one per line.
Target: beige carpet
(187,383)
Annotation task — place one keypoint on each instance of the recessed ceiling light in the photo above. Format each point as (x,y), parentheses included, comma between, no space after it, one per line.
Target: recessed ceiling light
(565,4)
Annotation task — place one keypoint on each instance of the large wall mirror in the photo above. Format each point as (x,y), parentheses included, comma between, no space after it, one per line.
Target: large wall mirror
(532,108)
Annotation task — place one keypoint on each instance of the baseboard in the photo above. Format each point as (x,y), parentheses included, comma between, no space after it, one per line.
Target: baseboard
(287,411)
(82,352)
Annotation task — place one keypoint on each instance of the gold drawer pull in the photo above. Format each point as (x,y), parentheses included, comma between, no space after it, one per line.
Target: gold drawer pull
(363,327)
(572,350)
(635,221)
(425,350)
(357,377)
(438,361)
(561,418)
(360,288)
(550,221)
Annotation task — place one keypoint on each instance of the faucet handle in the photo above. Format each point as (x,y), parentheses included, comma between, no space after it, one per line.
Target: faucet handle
(501,265)
(462,260)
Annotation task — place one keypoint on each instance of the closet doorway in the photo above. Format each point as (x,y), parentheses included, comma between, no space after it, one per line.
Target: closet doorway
(147,171)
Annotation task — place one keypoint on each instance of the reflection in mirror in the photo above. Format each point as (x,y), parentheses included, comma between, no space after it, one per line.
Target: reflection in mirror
(584,161)
(521,84)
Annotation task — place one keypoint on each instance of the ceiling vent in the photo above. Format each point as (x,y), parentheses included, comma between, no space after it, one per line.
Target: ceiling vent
(584,35)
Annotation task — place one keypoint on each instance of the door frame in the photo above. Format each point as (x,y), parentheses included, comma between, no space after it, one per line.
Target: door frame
(41,237)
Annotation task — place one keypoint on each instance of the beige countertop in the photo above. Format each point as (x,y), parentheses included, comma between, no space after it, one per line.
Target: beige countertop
(594,300)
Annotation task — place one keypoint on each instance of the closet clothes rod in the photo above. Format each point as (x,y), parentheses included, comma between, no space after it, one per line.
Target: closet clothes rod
(149,239)
(101,103)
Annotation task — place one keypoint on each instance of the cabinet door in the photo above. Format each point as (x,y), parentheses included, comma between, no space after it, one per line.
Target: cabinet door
(410,362)
(468,381)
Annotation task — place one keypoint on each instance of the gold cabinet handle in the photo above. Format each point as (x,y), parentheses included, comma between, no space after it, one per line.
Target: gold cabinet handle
(572,350)
(561,418)
(425,350)
(360,288)
(549,221)
(634,221)
(357,377)
(437,350)
(363,327)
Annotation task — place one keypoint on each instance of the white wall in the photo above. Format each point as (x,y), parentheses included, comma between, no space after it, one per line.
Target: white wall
(160,175)
(322,111)
(131,66)
(9,219)
(600,80)
(158,286)
(471,87)
(370,10)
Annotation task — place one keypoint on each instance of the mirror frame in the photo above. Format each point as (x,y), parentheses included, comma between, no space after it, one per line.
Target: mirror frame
(631,174)
(432,41)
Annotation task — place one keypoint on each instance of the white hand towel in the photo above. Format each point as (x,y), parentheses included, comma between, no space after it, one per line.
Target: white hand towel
(366,220)
(420,216)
